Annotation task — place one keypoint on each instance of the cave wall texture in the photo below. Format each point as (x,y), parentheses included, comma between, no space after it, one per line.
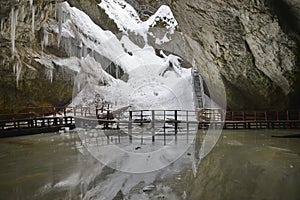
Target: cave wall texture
(251,46)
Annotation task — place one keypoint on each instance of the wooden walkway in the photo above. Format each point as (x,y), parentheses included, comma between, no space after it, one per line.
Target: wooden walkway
(289,119)
(37,120)
(199,96)
(250,119)
(30,126)
(206,118)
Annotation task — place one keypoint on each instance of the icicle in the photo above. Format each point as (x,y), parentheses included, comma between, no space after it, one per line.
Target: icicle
(55,11)
(17,70)
(13,25)
(2,26)
(117,72)
(51,7)
(80,53)
(32,22)
(45,40)
(60,22)
(69,47)
(23,13)
(49,73)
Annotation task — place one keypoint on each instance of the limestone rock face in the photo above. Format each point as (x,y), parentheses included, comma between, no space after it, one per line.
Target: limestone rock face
(244,45)
(250,46)
(25,82)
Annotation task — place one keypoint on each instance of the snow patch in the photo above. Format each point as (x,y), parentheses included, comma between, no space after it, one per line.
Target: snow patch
(127,18)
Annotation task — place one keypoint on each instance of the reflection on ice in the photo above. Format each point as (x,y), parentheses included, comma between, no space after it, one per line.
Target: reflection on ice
(140,149)
(59,166)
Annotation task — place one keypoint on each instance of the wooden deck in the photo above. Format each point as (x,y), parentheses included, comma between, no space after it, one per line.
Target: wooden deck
(37,120)
(20,127)
(289,119)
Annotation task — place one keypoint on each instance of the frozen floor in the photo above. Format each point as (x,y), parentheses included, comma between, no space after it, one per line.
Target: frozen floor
(243,165)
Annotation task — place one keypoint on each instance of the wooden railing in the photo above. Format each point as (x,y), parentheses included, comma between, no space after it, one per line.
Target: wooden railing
(289,118)
(30,112)
(288,115)
(35,123)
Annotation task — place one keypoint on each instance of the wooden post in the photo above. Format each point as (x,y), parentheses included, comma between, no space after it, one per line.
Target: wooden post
(287,115)
(65,111)
(130,115)
(176,123)
(153,125)
(54,111)
(164,136)
(107,118)
(187,116)
(141,117)
(187,129)
(55,121)
(243,115)
(277,116)
(130,126)
(255,117)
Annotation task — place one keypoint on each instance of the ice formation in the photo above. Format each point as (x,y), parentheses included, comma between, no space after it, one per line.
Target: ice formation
(33,20)
(17,70)
(2,26)
(13,25)
(127,18)
(96,50)
(45,40)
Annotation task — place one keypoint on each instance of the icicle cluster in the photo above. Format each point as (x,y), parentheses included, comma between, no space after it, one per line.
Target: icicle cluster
(2,26)
(62,17)
(45,40)
(13,25)
(17,69)
(49,73)
(33,21)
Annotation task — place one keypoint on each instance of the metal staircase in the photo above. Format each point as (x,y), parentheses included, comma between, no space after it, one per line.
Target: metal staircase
(199,96)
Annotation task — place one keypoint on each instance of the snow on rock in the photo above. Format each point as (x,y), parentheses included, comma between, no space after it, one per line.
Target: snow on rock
(127,18)
(145,87)
(173,60)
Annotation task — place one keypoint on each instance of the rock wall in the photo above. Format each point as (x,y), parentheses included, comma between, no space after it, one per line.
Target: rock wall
(248,46)
(24,81)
